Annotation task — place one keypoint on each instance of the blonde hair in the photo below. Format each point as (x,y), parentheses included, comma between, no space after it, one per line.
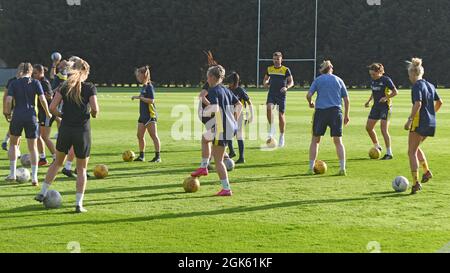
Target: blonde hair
(326,66)
(376,67)
(78,71)
(24,69)
(144,70)
(415,67)
(217,71)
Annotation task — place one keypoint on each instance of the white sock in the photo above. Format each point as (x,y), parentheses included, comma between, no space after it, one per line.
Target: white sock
(205,163)
(271,130)
(68,165)
(12,168)
(79,199)
(34,172)
(281,135)
(389,151)
(311,164)
(6,138)
(342,164)
(42,156)
(44,188)
(225,184)
(377,146)
(53,156)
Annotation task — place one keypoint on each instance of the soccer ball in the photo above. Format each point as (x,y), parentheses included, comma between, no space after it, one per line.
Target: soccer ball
(53,200)
(400,184)
(191,184)
(271,143)
(374,153)
(23,175)
(128,156)
(56,57)
(100,171)
(229,164)
(320,167)
(26,160)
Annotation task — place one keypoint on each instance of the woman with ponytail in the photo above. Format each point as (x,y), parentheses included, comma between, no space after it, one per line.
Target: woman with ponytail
(421,122)
(148,117)
(79,104)
(221,128)
(24,91)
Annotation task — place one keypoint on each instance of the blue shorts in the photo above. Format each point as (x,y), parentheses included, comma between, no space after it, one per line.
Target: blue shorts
(330,117)
(147,120)
(425,131)
(31,127)
(277,100)
(380,112)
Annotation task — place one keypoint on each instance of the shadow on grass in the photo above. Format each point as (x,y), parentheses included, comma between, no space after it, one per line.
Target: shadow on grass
(226,211)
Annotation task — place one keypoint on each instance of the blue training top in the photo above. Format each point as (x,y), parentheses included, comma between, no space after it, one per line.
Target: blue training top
(225,123)
(330,91)
(24,91)
(426,93)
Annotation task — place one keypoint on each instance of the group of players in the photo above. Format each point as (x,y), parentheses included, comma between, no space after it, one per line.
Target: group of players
(331,95)
(225,110)
(71,102)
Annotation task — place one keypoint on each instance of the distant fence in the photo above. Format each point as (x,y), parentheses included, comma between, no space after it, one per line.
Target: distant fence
(6,74)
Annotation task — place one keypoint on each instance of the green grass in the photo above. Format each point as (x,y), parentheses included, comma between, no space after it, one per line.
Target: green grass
(276,208)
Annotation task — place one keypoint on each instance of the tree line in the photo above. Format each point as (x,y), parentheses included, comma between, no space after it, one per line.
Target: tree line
(170,36)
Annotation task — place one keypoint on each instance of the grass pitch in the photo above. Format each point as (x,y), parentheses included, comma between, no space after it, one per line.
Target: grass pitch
(141,207)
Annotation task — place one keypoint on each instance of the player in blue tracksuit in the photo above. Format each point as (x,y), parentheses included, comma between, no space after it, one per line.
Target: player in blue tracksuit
(278,79)
(220,129)
(421,123)
(383,90)
(234,84)
(148,117)
(24,92)
(331,90)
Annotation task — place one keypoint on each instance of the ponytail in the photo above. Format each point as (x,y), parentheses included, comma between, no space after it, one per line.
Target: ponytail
(415,67)
(78,71)
(211,61)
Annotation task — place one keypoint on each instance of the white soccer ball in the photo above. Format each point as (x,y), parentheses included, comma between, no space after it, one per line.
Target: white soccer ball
(56,56)
(400,184)
(23,175)
(53,200)
(229,164)
(26,160)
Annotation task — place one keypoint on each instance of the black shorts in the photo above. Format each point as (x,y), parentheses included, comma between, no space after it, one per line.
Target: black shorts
(330,117)
(44,121)
(147,120)
(380,112)
(425,131)
(31,127)
(78,137)
(277,100)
